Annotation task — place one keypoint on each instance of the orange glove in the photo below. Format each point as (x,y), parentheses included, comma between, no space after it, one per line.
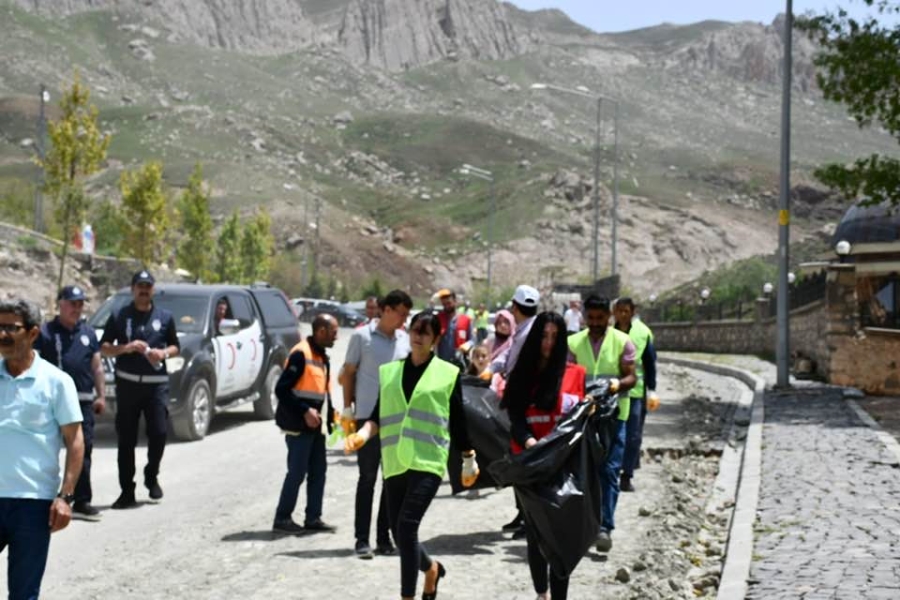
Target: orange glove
(486,375)
(652,401)
(348,421)
(470,470)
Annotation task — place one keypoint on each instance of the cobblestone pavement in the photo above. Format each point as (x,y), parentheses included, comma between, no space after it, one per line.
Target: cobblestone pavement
(828,519)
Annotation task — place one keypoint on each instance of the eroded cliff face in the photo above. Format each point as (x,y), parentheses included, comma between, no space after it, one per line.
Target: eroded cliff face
(268,26)
(399,34)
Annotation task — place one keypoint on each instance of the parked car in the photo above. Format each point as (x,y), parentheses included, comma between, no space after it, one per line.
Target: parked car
(346,317)
(301,305)
(221,367)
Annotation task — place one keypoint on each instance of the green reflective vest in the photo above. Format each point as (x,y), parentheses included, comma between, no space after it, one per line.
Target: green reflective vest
(605,364)
(641,336)
(482,319)
(415,435)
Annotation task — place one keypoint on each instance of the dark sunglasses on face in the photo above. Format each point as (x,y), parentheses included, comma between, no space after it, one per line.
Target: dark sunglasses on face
(11,327)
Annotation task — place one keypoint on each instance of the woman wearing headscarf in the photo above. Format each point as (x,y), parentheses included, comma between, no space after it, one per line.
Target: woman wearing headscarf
(542,387)
(498,342)
(419,410)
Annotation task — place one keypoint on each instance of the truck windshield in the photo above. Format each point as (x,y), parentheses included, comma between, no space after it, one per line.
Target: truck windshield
(190,312)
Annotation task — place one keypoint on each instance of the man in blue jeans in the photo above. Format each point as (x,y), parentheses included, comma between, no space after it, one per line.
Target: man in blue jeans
(39,412)
(304,414)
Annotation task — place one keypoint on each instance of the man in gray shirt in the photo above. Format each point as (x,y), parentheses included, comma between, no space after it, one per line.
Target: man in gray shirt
(370,347)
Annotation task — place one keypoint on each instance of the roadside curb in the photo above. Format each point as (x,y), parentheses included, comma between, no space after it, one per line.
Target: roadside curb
(886,438)
(739,549)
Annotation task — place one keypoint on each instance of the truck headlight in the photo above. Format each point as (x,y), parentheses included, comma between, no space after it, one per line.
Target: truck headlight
(174,364)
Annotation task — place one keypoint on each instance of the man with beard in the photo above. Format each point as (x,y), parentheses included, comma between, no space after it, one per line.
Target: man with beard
(38,413)
(456,327)
(71,344)
(142,337)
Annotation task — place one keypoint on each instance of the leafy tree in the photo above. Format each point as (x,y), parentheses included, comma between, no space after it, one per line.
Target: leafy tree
(77,149)
(145,211)
(860,66)
(195,249)
(331,287)
(373,288)
(314,288)
(344,297)
(109,228)
(256,248)
(228,245)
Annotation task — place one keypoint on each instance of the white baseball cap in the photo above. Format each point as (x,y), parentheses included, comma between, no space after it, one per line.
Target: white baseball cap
(526,296)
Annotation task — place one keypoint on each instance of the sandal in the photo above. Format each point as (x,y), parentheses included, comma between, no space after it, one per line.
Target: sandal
(442,572)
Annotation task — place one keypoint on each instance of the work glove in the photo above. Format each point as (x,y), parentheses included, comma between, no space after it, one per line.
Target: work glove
(348,421)
(486,375)
(355,441)
(652,401)
(470,471)
(614,385)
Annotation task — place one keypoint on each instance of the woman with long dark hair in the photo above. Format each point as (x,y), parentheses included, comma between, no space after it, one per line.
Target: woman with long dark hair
(542,387)
(419,410)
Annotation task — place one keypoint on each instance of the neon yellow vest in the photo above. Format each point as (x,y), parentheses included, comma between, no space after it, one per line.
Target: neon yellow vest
(606,364)
(641,336)
(415,435)
(481,320)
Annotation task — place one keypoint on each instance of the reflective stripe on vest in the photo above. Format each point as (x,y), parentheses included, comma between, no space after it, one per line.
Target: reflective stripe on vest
(607,363)
(313,385)
(415,435)
(640,336)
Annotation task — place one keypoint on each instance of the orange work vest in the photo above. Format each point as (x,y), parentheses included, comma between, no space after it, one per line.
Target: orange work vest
(313,385)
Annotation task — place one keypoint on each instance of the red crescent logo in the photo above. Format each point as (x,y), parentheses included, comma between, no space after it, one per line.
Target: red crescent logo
(254,349)
(233,355)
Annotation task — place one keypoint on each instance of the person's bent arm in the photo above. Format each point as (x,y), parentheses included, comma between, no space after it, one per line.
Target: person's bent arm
(99,383)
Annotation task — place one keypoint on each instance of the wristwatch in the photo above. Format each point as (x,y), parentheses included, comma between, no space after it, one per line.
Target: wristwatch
(67,498)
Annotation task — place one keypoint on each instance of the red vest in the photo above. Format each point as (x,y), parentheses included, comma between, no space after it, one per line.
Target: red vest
(542,422)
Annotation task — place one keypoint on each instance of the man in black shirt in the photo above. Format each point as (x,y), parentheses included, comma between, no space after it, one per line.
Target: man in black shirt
(141,336)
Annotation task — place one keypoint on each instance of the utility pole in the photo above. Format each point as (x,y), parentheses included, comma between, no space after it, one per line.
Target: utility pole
(615,206)
(318,236)
(41,134)
(305,272)
(595,235)
(490,249)
(782,350)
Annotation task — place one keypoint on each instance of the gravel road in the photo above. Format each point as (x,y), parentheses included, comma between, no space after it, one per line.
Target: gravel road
(211,537)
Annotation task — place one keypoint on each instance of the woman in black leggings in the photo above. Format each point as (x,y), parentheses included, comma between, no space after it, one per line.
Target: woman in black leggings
(419,409)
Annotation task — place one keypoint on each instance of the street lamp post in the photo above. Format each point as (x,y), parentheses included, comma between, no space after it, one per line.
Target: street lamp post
(585,93)
(488,176)
(782,349)
(41,126)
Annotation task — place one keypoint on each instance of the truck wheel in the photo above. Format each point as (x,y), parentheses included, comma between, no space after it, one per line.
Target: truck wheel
(193,423)
(264,407)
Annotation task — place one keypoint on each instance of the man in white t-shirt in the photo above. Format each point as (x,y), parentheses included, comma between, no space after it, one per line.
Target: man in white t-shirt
(574,318)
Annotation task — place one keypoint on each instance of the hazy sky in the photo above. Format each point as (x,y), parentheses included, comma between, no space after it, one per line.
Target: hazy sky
(615,15)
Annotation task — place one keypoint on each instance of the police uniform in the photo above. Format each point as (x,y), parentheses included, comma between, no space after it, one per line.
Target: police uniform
(72,351)
(140,386)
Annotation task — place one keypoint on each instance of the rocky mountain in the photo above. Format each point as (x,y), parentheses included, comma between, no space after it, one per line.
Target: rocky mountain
(367,109)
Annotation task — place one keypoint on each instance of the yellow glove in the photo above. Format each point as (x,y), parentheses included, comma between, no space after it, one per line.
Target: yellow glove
(470,470)
(348,421)
(486,375)
(355,441)
(652,401)
(614,385)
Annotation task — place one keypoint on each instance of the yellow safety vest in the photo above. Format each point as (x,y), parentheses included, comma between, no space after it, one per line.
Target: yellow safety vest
(641,336)
(415,435)
(607,363)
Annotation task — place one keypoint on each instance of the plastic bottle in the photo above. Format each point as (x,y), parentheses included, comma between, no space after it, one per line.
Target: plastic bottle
(156,365)
(87,239)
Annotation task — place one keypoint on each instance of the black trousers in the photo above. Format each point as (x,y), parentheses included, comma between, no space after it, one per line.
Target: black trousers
(369,460)
(83,492)
(133,400)
(559,586)
(409,496)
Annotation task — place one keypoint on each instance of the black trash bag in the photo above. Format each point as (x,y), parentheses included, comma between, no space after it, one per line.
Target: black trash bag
(488,427)
(557,482)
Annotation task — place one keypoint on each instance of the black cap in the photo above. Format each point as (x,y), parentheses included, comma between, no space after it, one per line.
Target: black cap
(71,292)
(142,277)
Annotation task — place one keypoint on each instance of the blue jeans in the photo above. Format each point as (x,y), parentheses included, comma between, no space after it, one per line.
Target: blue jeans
(609,477)
(634,436)
(306,456)
(25,528)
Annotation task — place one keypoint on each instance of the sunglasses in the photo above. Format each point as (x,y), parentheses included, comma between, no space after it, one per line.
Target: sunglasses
(11,327)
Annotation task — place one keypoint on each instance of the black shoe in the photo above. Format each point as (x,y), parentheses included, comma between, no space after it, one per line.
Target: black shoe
(156,492)
(84,510)
(319,525)
(386,549)
(625,484)
(125,500)
(604,541)
(363,550)
(442,572)
(520,533)
(515,524)
(287,527)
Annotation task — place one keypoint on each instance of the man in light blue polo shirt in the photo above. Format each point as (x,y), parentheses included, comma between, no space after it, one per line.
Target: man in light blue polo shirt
(39,412)
(370,347)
